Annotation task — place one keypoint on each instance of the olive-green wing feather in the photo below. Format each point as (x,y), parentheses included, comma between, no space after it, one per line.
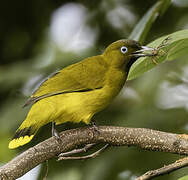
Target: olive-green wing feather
(85,75)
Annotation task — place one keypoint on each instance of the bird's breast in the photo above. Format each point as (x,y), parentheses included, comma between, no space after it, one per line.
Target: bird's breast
(115,80)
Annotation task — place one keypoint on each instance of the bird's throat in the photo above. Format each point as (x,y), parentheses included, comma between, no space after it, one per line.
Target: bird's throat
(130,63)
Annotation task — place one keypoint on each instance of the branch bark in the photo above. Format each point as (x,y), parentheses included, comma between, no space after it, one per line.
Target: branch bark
(117,136)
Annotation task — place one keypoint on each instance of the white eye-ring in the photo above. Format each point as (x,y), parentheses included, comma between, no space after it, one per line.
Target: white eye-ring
(124,49)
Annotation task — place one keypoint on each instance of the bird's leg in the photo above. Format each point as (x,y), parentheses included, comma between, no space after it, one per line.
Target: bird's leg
(66,155)
(55,133)
(94,126)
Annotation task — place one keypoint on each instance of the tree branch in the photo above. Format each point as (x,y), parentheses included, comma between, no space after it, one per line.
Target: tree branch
(93,155)
(164,170)
(118,136)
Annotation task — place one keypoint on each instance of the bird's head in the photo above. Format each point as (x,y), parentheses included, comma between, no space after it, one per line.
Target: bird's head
(123,53)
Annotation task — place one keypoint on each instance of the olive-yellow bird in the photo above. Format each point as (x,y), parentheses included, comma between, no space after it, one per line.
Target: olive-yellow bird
(80,90)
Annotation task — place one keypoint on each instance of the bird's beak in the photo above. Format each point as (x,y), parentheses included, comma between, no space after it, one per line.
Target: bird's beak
(144,51)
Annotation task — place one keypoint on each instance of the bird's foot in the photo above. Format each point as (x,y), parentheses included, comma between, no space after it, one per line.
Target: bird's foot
(55,133)
(94,127)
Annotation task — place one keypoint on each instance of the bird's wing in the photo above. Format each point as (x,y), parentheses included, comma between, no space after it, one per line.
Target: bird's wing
(87,75)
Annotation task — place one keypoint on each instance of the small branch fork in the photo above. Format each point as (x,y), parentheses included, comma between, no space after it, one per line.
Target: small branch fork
(115,136)
(165,170)
(66,155)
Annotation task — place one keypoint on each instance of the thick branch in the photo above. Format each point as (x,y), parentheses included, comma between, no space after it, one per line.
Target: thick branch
(117,136)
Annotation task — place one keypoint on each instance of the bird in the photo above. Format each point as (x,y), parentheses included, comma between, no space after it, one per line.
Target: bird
(78,91)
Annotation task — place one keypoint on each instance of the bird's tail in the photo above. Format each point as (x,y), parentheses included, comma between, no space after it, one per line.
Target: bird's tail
(23,135)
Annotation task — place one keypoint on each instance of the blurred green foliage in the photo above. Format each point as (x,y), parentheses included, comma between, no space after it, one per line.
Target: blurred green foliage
(30,49)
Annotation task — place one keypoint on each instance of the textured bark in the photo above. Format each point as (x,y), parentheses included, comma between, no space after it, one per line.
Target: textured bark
(118,136)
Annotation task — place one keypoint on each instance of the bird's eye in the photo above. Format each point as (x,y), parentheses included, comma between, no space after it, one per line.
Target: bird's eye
(123,49)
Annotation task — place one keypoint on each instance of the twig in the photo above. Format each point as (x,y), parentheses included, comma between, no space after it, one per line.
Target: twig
(93,155)
(46,173)
(118,136)
(76,151)
(164,170)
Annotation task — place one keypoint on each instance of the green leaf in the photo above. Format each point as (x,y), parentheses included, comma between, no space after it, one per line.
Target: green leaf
(184,178)
(164,6)
(142,28)
(175,47)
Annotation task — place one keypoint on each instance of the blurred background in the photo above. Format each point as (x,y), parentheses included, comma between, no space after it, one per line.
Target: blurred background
(39,37)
